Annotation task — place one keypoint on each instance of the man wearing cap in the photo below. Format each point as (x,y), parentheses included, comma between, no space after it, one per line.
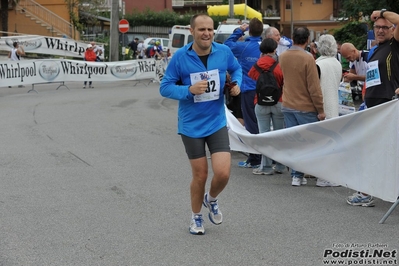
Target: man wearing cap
(158,50)
(90,56)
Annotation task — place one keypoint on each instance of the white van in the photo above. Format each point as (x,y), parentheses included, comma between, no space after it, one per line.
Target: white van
(164,42)
(178,37)
(224,30)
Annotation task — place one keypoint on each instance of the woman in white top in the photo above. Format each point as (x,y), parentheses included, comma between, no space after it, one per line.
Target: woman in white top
(330,73)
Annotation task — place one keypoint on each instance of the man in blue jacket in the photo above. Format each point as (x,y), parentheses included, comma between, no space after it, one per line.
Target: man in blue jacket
(195,77)
(248,53)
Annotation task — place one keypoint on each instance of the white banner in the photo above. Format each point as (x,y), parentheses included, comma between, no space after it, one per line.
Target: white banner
(358,150)
(45,45)
(59,70)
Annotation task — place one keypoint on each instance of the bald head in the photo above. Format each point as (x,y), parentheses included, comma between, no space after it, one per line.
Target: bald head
(349,52)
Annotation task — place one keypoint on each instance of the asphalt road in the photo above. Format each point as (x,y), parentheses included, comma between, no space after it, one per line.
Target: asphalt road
(100,177)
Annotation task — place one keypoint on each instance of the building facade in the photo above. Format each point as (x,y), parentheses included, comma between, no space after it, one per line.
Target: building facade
(41,17)
(320,16)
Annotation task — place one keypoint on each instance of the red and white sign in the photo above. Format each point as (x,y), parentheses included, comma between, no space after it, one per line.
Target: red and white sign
(123,26)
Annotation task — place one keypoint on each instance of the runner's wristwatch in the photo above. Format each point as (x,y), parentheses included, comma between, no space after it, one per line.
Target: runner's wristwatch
(382,12)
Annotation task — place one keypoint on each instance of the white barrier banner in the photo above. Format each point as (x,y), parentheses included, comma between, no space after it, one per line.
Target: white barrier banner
(358,150)
(235,128)
(45,45)
(60,70)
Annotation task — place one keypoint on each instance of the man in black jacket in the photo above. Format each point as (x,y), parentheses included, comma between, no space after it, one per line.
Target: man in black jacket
(133,46)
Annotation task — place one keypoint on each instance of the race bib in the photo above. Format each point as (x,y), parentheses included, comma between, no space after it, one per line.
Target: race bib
(373,75)
(213,91)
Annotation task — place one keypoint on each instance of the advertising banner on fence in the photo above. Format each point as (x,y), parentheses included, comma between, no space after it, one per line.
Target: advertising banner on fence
(45,45)
(62,70)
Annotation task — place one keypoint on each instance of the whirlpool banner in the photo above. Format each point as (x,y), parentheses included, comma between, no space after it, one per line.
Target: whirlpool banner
(46,45)
(61,70)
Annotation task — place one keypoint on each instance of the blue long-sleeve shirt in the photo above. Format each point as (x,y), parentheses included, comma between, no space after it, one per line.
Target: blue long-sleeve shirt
(199,119)
(247,53)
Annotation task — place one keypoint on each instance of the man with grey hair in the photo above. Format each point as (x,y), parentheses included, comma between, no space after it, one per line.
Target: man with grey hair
(381,77)
(283,42)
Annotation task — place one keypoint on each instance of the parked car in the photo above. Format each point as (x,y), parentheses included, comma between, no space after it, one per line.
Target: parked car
(164,43)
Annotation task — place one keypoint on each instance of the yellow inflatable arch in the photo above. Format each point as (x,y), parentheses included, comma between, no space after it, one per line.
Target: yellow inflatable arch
(239,9)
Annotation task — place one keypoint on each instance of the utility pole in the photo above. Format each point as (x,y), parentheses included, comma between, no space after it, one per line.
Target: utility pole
(292,18)
(114,34)
(231,8)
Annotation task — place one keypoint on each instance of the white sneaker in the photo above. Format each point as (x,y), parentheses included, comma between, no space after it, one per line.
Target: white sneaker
(215,215)
(260,171)
(324,183)
(196,225)
(296,181)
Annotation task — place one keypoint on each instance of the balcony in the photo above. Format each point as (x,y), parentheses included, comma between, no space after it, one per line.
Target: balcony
(181,3)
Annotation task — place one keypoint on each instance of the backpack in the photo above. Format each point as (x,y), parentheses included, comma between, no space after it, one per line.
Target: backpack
(267,89)
(148,51)
(152,51)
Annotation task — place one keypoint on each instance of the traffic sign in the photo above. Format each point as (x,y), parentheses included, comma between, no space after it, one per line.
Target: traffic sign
(123,26)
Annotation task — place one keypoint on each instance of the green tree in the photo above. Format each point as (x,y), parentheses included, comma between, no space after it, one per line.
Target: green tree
(83,11)
(356,8)
(353,32)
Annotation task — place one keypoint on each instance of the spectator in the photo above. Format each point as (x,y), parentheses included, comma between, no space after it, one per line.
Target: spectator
(247,53)
(358,64)
(140,50)
(302,97)
(98,50)
(90,56)
(283,42)
(266,114)
(149,52)
(382,77)
(195,77)
(133,45)
(330,73)
(158,50)
(313,49)
(344,63)
(15,55)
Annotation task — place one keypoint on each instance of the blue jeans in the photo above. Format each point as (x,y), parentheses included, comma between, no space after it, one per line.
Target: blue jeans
(294,118)
(265,115)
